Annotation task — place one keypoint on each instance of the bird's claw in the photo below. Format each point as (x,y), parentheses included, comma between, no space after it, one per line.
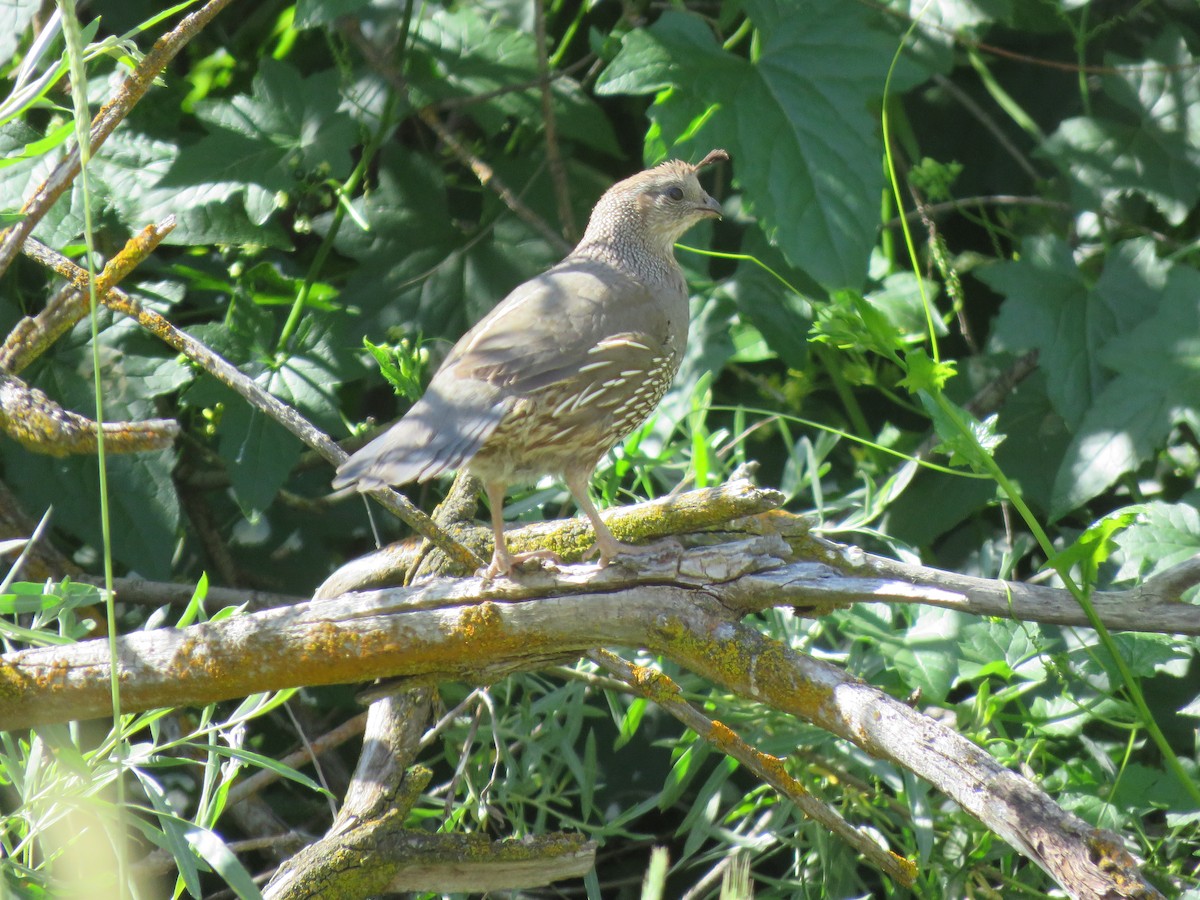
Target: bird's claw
(611,550)
(505,564)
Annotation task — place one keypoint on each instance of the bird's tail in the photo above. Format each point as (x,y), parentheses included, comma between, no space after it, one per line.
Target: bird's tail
(442,431)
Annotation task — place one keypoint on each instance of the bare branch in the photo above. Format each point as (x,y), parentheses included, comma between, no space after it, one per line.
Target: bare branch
(33,335)
(231,377)
(656,686)
(558,173)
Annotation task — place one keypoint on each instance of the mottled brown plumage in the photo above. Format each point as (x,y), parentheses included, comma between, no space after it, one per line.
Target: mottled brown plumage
(565,366)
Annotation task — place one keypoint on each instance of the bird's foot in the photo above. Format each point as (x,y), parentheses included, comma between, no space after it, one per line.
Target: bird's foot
(504,563)
(611,548)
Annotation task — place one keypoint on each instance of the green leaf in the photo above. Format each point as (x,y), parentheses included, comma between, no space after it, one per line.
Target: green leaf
(465,53)
(928,658)
(1146,655)
(261,144)
(1006,649)
(1157,387)
(1092,548)
(209,846)
(1164,535)
(141,497)
(805,146)
(630,721)
(15,16)
(965,439)
(1153,150)
(924,374)
(402,365)
(314,13)
(1051,306)
(26,597)
(782,316)
(147,182)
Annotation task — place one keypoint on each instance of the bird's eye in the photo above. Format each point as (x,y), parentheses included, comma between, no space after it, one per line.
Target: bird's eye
(675,193)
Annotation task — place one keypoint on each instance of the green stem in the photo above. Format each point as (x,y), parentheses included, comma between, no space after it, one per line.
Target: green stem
(344,193)
(83,122)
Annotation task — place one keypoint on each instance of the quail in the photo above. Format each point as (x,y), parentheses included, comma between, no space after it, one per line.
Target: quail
(567,365)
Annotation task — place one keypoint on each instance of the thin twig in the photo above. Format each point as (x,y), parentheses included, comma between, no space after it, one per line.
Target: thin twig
(335,737)
(235,380)
(105,122)
(558,174)
(484,172)
(34,335)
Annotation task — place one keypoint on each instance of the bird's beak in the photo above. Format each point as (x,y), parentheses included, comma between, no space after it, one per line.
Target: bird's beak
(710,207)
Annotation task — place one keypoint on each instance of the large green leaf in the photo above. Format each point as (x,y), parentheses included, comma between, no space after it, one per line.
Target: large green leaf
(1051,305)
(1149,144)
(137,171)
(1157,387)
(462,53)
(15,15)
(796,117)
(1164,535)
(260,143)
(142,501)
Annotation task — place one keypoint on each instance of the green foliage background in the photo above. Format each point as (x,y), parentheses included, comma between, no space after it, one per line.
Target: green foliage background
(1056,148)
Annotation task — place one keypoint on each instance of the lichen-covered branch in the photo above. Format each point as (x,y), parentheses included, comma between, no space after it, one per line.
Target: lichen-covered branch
(664,692)
(33,335)
(30,417)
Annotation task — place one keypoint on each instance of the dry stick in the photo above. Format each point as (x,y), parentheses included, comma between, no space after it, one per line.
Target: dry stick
(558,174)
(110,115)
(33,335)
(664,692)
(117,300)
(486,175)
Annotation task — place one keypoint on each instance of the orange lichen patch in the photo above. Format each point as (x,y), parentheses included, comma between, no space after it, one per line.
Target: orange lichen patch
(777,773)
(53,677)
(724,737)
(326,640)
(785,687)
(758,668)
(477,621)
(196,658)
(1112,859)
(655,685)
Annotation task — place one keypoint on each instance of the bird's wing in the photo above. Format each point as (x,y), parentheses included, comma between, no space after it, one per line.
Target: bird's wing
(576,326)
(558,323)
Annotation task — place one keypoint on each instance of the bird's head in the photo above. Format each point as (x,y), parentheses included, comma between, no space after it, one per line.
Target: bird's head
(657,205)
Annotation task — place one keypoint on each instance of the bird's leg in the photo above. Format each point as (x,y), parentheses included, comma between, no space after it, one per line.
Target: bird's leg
(503,561)
(609,546)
